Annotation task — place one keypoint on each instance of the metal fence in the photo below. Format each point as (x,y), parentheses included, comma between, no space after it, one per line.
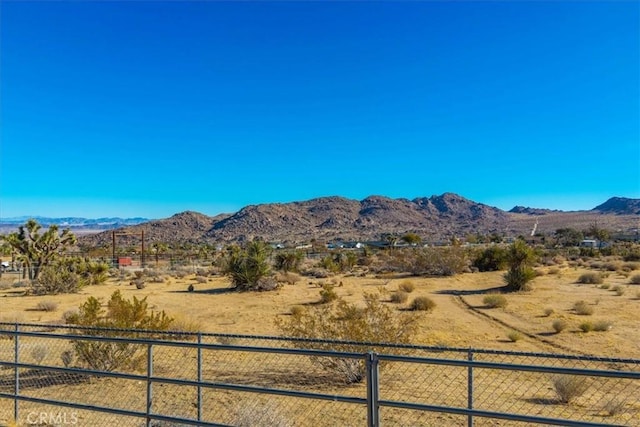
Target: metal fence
(61,375)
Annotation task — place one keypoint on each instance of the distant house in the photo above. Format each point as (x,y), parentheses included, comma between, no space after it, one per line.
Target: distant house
(593,244)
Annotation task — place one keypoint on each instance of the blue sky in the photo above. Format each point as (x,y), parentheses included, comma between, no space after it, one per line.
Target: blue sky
(135,108)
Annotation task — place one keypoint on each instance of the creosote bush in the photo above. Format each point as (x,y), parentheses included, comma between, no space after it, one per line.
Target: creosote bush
(586,326)
(569,387)
(120,314)
(373,323)
(422,304)
(515,336)
(494,301)
(591,278)
(399,297)
(407,286)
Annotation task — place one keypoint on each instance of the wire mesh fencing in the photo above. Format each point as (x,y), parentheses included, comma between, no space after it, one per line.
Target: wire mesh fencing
(61,375)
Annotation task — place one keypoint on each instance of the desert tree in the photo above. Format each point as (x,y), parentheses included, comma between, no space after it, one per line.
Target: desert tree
(568,236)
(520,258)
(598,233)
(38,250)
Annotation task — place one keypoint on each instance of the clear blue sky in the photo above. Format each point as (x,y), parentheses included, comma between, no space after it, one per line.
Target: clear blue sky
(141,108)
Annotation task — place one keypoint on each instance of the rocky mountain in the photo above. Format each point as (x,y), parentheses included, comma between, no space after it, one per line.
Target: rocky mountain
(435,218)
(620,206)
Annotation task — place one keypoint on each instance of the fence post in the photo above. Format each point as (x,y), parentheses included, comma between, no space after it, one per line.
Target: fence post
(199,376)
(149,383)
(16,386)
(470,389)
(373,389)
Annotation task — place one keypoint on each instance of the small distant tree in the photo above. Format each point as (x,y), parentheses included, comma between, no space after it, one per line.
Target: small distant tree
(568,237)
(520,258)
(120,314)
(249,268)
(38,250)
(598,233)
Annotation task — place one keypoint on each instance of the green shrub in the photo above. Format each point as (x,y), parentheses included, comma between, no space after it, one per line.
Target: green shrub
(515,336)
(328,294)
(583,309)
(494,301)
(120,314)
(493,258)
(399,297)
(407,286)
(559,325)
(591,278)
(569,387)
(586,326)
(249,268)
(375,322)
(422,304)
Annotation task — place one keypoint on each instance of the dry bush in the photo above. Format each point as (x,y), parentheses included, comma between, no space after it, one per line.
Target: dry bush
(619,290)
(186,327)
(373,323)
(591,278)
(553,270)
(422,304)
(630,266)
(39,352)
(614,407)
(296,310)
(635,279)
(605,286)
(201,279)
(548,311)
(139,284)
(268,415)
(180,274)
(611,266)
(569,387)
(288,278)
(67,358)
(559,325)
(399,297)
(583,308)
(494,301)
(47,305)
(407,286)
(602,326)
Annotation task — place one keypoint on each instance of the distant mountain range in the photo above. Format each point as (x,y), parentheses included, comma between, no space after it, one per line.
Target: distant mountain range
(435,218)
(77,225)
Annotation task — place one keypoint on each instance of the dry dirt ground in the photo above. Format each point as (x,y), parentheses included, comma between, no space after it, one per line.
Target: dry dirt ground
(460,318)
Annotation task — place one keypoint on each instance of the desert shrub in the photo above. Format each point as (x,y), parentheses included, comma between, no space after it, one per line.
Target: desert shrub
(399,297)
(47,305)
(586,326)
(583,308)
(611,266)
(559,325)
(613,407)
(139,283)
(554,270)
(569,387)
(605,286)
(201,279)
(635,279)
(190,288)
(548,311)
(328,293)
(39,352)
(515,336)
(121,314)
(53,281)
(248,267)
(630,266)
(602,326)
(268,415)
(288,278)
(288,261)
(407,286)
(520,257)
(422,304)
(591,278)
(494,301)
(185,327)
(21,284)
(619,290)
(139,274)
(296,310)
(446,261)
(373,323)
(180,274)
(493,258)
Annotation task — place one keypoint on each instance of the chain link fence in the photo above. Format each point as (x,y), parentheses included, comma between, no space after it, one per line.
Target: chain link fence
(61,375)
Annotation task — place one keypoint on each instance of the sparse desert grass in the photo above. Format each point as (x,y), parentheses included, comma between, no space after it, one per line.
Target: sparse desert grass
(422,304)
(495,301)
(559,325)
(591,278)
(569,387)
(583,308)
